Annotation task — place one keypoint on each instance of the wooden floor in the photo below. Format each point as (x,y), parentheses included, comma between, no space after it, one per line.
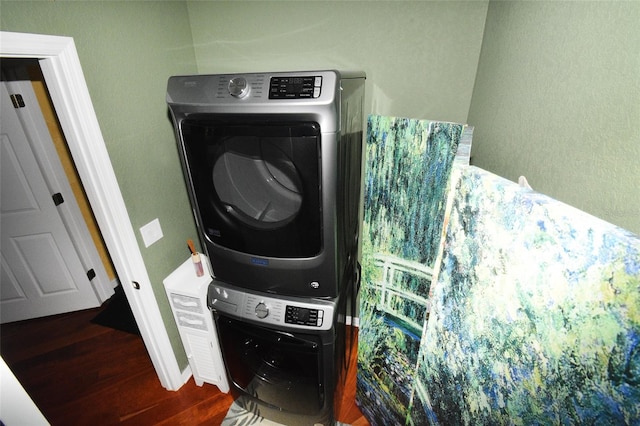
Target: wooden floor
(79,373)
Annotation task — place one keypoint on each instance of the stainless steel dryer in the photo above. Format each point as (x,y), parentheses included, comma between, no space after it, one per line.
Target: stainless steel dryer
(273,163)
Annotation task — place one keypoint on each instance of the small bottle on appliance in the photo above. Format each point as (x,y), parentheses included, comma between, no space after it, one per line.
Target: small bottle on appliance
(195,257)
(197,264)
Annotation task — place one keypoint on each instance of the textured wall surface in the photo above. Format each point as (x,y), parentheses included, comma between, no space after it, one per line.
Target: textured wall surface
(556,100)
(420,56)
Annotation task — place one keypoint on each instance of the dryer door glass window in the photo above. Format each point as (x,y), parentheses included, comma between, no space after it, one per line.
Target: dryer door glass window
(257,186)
(257,182)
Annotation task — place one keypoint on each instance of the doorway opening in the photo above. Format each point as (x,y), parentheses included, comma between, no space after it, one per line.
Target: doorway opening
(63,74)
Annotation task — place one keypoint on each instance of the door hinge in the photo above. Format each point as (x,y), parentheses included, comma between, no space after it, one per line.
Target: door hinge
(91,274)
(17,100)
(57,198)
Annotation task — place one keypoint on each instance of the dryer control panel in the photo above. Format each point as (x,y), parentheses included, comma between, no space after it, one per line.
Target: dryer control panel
(295,87)
(280,310)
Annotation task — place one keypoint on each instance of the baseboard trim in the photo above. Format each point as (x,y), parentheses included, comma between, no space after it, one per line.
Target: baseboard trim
(186,375)
(354,321)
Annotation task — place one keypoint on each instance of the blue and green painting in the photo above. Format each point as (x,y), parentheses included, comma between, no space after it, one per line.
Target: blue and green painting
(407,176)
(535,317)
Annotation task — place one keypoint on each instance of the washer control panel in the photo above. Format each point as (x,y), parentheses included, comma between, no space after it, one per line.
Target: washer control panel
(304,316)
(274,310)
(262,310)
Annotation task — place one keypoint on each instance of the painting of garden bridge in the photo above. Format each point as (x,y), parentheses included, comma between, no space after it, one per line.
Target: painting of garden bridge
(408,169)
(484,302)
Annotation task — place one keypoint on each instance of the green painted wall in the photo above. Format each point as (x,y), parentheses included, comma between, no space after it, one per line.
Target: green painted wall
(420,57)
(127,51)
(557,99)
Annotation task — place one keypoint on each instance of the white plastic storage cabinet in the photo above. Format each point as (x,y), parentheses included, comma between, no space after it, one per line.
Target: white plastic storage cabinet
(187,295)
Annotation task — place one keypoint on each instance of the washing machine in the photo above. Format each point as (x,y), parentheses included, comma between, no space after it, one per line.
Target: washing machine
(284,356)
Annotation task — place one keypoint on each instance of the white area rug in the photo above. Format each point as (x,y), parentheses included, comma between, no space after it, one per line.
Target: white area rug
(244,413)
(239,415)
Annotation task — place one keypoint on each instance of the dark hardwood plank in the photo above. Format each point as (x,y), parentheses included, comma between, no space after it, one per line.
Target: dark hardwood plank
(80,373)
(46,334)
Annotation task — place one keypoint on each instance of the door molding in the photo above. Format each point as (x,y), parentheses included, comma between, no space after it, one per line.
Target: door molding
(62,71)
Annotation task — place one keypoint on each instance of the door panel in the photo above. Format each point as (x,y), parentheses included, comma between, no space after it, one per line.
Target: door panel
(41,271)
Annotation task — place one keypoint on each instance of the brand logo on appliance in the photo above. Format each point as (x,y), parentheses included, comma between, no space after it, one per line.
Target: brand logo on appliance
(259,261)
(314,284)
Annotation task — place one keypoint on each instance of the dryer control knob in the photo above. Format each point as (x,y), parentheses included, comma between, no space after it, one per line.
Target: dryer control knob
(238,87)
(262,311)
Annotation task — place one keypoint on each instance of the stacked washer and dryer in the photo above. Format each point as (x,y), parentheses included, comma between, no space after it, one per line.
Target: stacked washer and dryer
(272,163)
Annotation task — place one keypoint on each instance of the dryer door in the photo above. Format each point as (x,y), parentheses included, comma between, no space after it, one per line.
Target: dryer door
(256,185)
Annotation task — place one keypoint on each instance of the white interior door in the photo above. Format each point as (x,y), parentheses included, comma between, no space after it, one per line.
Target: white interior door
(65,80)
(41,272)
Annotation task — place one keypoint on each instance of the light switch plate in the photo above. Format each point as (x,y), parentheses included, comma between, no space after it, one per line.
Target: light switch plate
(151,232)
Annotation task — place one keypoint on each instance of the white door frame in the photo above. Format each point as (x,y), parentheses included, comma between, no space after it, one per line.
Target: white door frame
(64,78)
